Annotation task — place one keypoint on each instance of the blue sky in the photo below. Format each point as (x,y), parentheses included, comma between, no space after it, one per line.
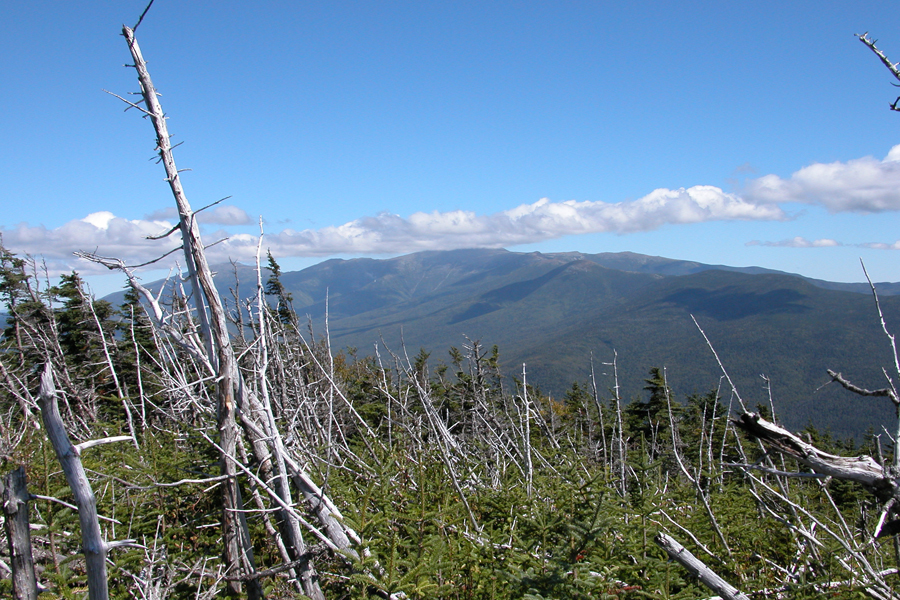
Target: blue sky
(723,132)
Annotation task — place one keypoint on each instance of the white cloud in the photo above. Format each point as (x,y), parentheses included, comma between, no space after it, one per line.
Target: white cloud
(882,246)
(223,214)
(102,232)
(108,235)
(798,242)
(862,185)
(528,223)
(100,220)
(801,242)
(386,233)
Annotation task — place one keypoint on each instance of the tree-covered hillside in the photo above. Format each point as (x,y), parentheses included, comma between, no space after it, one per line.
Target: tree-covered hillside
(555,312)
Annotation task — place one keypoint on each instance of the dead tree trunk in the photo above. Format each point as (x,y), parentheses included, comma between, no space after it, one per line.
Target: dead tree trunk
(230,388)
(861,469)
(15,512)
(261,406)
(238,550)
(91,538)
(707,576)
(881,481)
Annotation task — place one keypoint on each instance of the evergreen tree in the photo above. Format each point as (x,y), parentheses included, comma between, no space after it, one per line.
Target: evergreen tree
(283,299)
(80,339)
(137,346)
(650,418)
(26,316)
(576,413)
(12,289)
(701,414)
(72,319)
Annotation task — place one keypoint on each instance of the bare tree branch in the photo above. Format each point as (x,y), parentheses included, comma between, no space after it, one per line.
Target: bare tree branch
(884,392)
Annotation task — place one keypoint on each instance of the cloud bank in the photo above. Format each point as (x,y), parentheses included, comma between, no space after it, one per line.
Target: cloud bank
(528,223)
(218,215)
(100,232)
(798,242)
(864,185)
(882,246)
(387,233)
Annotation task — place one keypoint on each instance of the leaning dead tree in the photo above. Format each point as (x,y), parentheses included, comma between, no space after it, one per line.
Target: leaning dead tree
(94,546)
(878,478)
(238,549)
(244,407)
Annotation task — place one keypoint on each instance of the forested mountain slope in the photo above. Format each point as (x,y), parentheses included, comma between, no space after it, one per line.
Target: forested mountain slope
(554,311)
(776,326)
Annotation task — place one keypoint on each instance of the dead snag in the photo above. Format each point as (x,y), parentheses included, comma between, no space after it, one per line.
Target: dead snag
(892,67)
(238,550)
(14,495)
(94,547)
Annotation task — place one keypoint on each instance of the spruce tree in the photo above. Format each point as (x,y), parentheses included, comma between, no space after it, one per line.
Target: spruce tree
(283,298)
(80,338)
(650,418)
(136,348)
(27,316)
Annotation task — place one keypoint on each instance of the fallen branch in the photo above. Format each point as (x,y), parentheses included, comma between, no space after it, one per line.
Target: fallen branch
(79,448)
(698,569)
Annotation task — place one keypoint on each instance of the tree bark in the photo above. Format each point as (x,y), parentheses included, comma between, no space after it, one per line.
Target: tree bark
(288,525)
(238,550)
(15,511)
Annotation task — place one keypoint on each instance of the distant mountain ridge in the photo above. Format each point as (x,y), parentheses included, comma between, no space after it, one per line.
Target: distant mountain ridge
(554,312)
(619,261)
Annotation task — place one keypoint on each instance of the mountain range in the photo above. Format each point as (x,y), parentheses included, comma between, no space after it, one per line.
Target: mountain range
(558,313)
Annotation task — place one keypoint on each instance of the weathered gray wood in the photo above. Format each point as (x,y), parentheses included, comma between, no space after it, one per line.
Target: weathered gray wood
(288,525)
(229,385)
(707,576)
(880,481)
(862,469)
(238,551)
(15,511)
(92,543)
